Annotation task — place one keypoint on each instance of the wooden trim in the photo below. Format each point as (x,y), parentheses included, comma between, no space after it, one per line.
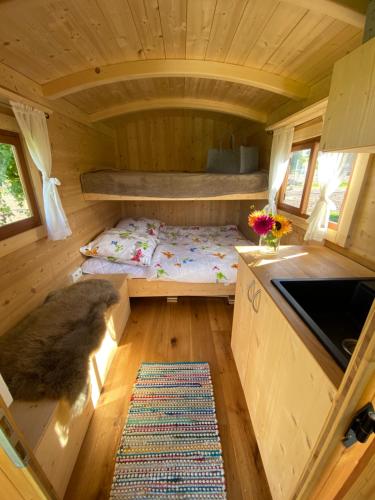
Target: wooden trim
(134,70)
(180,103)
(350,13)
(309,178)
(335,225)
(13,96)
(358,472)
(352,198)
(313,145)
(17,227)
(262,195)
(140,287)
(307,114)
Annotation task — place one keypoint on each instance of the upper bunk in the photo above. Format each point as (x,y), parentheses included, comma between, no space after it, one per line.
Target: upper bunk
(129,186)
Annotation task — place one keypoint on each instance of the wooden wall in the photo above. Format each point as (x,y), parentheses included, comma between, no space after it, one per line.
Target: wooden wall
(31,265)
(362,231)
(179,140)
(175,139)
(183,213)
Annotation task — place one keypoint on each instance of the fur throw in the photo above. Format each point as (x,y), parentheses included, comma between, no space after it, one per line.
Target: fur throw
(47,354)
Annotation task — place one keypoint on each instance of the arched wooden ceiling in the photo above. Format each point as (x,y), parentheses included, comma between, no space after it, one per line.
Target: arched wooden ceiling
(189,93)
(80,50)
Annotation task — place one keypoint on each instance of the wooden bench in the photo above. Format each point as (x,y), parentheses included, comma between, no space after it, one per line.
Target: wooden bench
(54,435)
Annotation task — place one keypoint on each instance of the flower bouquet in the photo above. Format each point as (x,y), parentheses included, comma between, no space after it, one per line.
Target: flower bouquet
(270,228)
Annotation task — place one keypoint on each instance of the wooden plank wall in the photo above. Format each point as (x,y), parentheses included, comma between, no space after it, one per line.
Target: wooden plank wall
(183,213)
(362,231)
(175,139)
(178,140)
(37,265)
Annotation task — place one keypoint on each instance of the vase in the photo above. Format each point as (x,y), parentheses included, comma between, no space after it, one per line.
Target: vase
(269,244)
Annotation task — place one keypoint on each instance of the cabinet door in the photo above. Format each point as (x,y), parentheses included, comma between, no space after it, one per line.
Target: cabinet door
(349,119)
(242,318)
(288,397)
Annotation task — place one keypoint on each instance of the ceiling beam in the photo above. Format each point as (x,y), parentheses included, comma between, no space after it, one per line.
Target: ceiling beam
(180,103)
(351,12)
(133,70)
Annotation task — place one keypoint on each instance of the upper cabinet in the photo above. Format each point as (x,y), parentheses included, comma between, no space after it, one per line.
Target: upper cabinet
(349,123)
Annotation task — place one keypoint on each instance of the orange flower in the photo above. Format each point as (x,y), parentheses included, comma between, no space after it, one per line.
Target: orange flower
(253,216)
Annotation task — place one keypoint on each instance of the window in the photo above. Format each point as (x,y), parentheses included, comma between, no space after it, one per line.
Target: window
(18,208)
(300,189)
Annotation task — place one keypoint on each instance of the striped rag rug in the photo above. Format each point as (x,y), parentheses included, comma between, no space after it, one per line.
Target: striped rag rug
(170,447)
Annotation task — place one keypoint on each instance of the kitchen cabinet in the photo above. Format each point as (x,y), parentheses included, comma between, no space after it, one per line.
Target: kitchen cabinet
(242,319)
(288,394)
(349,119)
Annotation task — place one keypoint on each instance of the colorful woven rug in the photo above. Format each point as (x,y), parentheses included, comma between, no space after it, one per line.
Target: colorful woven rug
(170,447)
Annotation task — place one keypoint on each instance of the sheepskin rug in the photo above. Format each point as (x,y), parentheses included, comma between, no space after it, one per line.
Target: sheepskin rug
(47,354)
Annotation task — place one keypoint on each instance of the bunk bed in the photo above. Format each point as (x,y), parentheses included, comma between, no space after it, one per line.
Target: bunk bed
(127,185)
(211,249)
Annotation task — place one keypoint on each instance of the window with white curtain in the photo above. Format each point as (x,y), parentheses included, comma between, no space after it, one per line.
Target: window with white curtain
(301,191)
(18,207)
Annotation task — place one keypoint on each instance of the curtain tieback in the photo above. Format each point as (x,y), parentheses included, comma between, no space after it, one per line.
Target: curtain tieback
(51,180)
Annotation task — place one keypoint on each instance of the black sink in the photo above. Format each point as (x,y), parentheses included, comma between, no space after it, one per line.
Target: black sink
(334,308)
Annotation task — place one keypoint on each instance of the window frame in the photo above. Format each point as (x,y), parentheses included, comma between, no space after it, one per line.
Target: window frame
(312,144)
(14,228)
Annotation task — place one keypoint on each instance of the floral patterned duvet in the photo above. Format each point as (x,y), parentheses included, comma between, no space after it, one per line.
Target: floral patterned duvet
(197,254)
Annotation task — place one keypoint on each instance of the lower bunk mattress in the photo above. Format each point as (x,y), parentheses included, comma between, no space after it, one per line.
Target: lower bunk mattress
(189,254)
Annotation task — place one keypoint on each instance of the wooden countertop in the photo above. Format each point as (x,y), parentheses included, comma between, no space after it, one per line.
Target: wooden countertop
(307,261)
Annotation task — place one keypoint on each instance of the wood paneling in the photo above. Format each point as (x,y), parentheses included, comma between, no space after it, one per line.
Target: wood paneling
(362,231)
(141,287)
(192,329)
(114,94)
(175,139)
(47,40)
(292,40)
(38,265)
(185,213)
(348,123)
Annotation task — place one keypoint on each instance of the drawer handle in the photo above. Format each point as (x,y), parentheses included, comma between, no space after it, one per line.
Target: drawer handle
(250,291)
(257,294)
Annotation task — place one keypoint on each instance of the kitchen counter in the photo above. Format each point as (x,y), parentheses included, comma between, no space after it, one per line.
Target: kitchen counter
(302,262)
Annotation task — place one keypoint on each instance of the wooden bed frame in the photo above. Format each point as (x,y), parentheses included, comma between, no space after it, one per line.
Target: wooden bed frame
(140,287)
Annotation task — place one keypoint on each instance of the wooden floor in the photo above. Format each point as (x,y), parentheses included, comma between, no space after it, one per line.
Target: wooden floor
(191,330)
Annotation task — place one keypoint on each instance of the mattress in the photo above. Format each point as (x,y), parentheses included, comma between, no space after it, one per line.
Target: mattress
(190,254)
(123,184)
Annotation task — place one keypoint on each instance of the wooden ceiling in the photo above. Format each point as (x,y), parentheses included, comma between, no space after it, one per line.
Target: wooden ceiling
(110,57)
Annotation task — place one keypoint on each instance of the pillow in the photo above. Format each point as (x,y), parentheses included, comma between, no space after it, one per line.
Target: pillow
(122,245)
(141,225)
(249,159)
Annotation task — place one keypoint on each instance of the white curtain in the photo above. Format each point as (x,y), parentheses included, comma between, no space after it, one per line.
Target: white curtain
(280,153)
(33,125)
(330,173)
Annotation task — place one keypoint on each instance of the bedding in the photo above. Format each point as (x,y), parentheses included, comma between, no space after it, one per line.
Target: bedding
(186,235)
(122,245)
(103,266)
(197,254)
(140,226)
(191,254)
